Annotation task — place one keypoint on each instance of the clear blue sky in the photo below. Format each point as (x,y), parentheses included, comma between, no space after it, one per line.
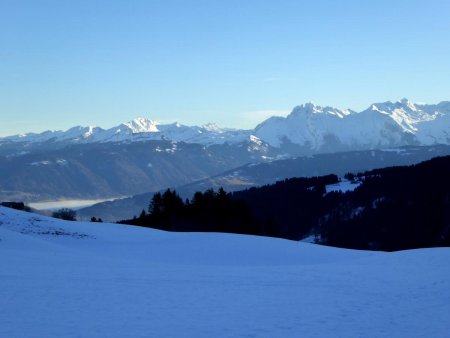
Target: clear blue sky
(66,63)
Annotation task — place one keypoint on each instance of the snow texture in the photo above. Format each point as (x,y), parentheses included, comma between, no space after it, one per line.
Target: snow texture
(69,279)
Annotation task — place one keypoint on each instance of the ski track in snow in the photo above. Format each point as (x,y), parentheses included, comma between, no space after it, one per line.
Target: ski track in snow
(123,281)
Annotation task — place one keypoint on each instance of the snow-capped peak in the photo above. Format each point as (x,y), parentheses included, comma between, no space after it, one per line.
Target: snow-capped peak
(212,127)
(382,124)
(407,103)
(311,108)
(307,108)
(142,125)
(407,114)
(389,107)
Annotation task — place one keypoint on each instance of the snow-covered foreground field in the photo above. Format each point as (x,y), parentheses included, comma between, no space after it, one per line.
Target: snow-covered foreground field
(64,279)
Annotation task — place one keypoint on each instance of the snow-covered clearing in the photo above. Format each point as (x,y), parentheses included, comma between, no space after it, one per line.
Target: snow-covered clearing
(66,279)
(342,186)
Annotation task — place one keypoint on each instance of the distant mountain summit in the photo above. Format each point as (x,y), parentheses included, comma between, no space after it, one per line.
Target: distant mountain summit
(308,129)
(387,124)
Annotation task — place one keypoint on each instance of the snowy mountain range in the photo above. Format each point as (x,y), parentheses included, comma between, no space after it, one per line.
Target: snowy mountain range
(383,124)
(139,129)
(309,127)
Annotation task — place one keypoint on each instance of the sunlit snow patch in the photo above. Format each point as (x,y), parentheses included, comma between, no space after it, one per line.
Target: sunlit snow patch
(342,186)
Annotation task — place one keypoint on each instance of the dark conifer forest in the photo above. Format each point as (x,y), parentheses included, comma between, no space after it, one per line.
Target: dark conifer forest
(390,209)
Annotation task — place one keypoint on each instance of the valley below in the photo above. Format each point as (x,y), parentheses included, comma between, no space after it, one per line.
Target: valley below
(72,204)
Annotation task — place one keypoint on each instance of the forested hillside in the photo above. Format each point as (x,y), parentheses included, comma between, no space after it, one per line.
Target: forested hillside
(384,209)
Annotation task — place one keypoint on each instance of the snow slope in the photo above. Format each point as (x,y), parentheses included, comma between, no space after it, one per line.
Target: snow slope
(65,279)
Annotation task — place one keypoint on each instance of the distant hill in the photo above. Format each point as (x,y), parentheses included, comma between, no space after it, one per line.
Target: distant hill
(105,170)
(252,174)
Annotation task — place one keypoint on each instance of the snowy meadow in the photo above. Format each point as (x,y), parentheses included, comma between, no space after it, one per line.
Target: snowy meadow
(73,279)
